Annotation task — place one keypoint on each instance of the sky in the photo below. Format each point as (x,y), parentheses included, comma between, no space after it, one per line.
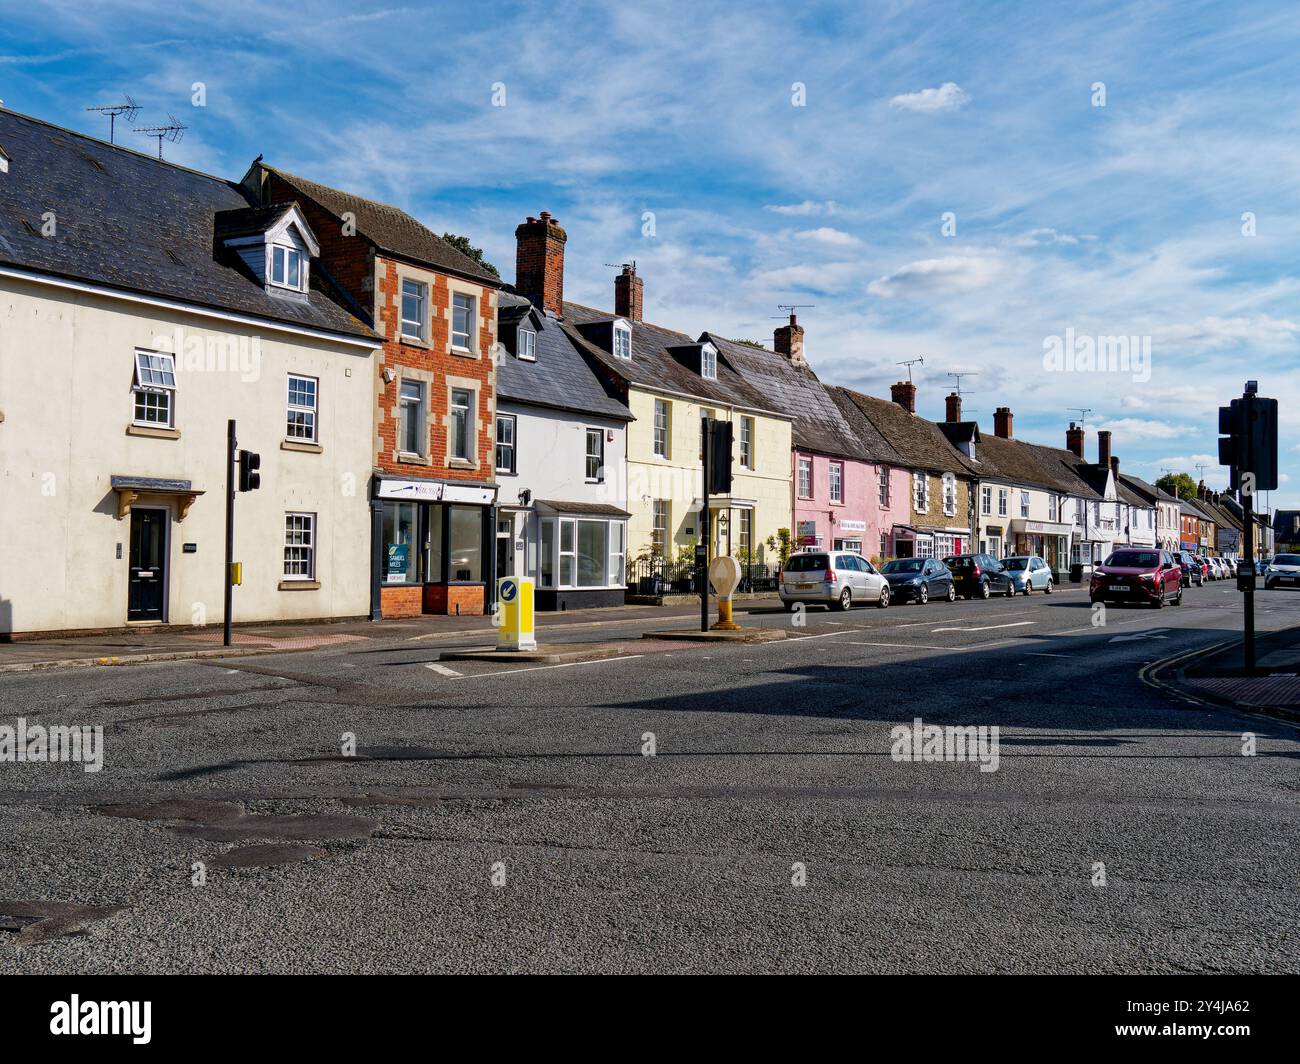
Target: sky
(990,187)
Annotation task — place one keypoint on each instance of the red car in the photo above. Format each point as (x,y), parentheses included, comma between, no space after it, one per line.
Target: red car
(1138,575)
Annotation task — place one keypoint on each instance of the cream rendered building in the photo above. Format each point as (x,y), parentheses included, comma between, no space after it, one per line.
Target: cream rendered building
(129,333)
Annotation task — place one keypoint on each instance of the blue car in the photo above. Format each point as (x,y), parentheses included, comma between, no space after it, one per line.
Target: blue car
(1028,573)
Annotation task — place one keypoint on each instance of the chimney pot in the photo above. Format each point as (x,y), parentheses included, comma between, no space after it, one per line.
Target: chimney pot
(1002,422)
(629,292)
(1074,439)
(952,407)
(904,394)
(787,340)
(539,262)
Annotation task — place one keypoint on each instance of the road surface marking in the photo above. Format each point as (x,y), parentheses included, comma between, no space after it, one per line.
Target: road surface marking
(1041,654)
(442,670)
(562,665)
(984,628)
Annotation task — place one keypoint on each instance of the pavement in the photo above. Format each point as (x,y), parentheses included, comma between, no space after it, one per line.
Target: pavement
(677,807)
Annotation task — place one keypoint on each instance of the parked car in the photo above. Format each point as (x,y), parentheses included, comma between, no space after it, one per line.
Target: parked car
(1220,571)
(1138,575)
(836,578)
(1229,568)
(919,579)
(979,575)
(1205,567)
(1193,576)
(1029,572)
(1282,571)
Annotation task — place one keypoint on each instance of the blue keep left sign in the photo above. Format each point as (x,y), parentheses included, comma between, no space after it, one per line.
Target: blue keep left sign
(508,590)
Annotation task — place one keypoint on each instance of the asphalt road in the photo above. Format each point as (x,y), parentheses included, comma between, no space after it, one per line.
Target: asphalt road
(505,818)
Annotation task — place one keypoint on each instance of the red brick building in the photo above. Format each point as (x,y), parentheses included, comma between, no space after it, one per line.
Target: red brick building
(432,490)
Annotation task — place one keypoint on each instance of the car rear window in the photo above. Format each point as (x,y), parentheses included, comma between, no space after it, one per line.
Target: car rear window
(807,563)
(1134,559)
(962,561)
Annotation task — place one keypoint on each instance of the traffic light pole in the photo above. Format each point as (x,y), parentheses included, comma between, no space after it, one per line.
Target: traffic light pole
(1248,520)
(231,446)
(706,531)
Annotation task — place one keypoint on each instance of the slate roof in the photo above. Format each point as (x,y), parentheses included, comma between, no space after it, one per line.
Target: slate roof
(389,228)
(919,443)
(560,378)
(128,221)
(819,424)
(653,366)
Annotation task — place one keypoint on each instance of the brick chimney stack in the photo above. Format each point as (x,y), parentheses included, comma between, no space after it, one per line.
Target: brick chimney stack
(539,262)
(1074,439)
(952,407)
(788,340)
(904,394)
(1002,422)
(1114,466)
(1103,447)
(629,291)
(1200,490)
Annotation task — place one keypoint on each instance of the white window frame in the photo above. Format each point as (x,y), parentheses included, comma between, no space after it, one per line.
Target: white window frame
(511,447)
(884,488)
(1024,504)
(949,495)
(835,481)
(417,410)
(466,424)
(299,545)
(986,500)
(1053,508)
(307,411)
(662,428)
(526,345)
(152,379)
(421,295)
(470,333)
(599,456)
(661,525)
(805,478)
(921,493)
(709,362)
(747,443)
(281,255)
(1004,502)
(622,344)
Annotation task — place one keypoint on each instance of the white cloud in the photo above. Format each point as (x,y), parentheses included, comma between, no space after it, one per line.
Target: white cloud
(1213,332)
(1141,429)
(805,208)
(953,273)
(826,235)
(1036,237)
(947,97)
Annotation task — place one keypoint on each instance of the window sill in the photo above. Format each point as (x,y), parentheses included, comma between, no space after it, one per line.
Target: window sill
(461,463)
(299,585)
(465,352)
(506,473)
(412,341)
(301,445)
(406,458)
(153,432)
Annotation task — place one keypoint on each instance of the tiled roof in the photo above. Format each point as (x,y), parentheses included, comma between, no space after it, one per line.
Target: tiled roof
(128,221)
(919,443)
(819,425)
(389,228)
(560,378)
(653,366)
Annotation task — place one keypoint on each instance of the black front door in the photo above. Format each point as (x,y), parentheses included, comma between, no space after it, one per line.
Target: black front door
(148,565)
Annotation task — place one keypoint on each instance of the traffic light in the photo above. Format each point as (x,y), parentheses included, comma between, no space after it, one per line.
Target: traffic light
(249,477)
(1248,443)
(719,471)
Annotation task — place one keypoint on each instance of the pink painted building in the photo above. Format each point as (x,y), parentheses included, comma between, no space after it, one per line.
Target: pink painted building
(848,486)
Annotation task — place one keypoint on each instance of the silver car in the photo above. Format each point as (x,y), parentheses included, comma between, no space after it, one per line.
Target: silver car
(834,578)
(1028,573)
(1282,571)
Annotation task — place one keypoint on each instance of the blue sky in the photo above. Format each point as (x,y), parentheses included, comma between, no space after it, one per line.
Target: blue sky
(1117,220)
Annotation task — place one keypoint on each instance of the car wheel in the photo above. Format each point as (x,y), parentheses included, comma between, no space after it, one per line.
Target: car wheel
(1028,587)
(884,597)
(984,590)
(952,593)
(1011,590)
(1178,599)
(845,599)
(1048,589)
(1160,599)
(923,596)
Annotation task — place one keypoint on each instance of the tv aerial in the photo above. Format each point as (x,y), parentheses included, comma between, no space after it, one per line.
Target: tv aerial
(172,132)
(959,376)
(128,109)
(790,308)
(1083,412)
(909,363)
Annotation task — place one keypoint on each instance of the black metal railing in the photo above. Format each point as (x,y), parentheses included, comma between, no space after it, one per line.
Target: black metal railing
(664,576)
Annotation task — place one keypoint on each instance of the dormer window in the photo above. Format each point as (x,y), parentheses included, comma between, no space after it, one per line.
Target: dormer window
(527,345)
(709,362)
(623,340)
(286,267)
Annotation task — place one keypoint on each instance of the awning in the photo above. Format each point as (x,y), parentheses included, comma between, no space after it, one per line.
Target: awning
(129,490)
(1040,528)
(582,509)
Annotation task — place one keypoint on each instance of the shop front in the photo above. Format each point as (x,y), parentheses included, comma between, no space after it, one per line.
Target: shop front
(581,556)
(1048,540)
(434,547)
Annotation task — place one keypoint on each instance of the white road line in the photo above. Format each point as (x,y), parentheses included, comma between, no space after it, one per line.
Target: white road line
(562,665)
(984,628)
(442,670)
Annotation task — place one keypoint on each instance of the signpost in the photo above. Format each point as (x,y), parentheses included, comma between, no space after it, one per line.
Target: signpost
(715,451)
(1248,427)
(515,599)
(241,475)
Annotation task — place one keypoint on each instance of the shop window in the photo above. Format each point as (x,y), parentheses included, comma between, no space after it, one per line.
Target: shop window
(401,532)
(465,544)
